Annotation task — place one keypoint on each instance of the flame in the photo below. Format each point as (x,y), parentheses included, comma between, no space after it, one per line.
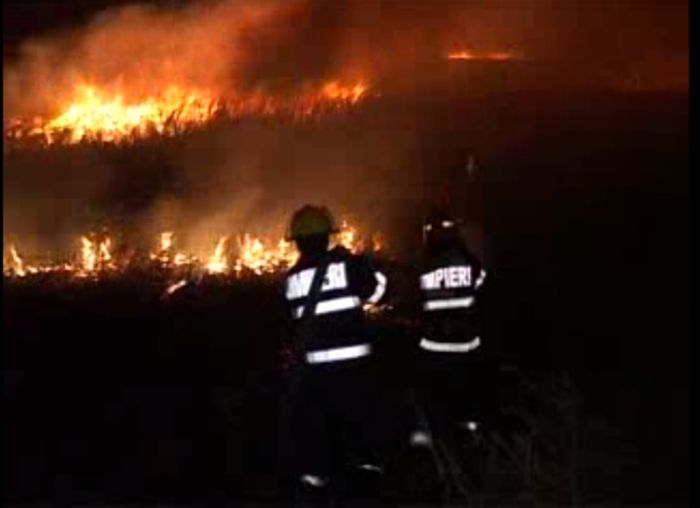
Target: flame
(378,242)
(334,90)
(88,255)
(470,55)
(94,256)
(181,259)
(17,265)
(165,253)
(218,262)
(347,237)
(104,255)
(256,255)
(95,114)
(166,241)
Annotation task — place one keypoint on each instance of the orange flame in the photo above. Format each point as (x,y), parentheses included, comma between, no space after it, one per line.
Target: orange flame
(94,256)
(347,237)
(166,255)
(253,255)
(218,262)
(17,265)
(88,255)
(166,241)
(97,115)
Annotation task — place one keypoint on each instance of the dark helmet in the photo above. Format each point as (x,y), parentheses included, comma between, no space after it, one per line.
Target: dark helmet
(439,220)
(440,231)
(309,221)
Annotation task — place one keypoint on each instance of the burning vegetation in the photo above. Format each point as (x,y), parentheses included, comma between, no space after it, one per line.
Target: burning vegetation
(248,255)
(95,115)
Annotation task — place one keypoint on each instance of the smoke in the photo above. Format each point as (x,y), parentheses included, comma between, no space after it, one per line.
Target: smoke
(228,45)
(249,176)
(133,49)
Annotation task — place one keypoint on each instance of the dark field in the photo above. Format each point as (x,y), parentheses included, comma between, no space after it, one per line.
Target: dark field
(110,394)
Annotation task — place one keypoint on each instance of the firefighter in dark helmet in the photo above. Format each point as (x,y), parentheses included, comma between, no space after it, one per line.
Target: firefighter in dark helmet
(336,412)
(452,361)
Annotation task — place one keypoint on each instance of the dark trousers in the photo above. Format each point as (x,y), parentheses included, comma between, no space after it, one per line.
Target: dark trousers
(453,388)
(334,418)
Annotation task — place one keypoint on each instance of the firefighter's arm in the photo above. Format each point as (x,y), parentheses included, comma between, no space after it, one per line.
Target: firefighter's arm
(288,352)
(372,282)
(480,275)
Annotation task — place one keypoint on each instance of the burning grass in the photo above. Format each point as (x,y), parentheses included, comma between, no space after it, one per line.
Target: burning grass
(247,255)
(95,114)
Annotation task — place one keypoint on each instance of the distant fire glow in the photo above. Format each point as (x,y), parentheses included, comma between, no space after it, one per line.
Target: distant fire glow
(472,55)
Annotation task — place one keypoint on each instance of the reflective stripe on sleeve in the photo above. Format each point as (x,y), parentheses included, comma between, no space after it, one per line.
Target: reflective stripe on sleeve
(333,305)
(480,280)
(449,347)
(380,289)
(338,354)
(449,303)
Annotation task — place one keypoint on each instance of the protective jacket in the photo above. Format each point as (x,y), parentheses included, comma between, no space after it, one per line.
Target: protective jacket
(450,285)
(336,332)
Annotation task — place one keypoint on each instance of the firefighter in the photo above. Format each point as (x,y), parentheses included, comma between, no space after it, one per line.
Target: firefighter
(336,412)
(453,390)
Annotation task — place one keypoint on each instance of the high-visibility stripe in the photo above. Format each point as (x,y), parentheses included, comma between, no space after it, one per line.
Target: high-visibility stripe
(480,279)
(449,303)
(371,467)
(380,289)
(333,305)
(337,304)
(421,438)
(449,347)
(313,480)
(470,425)
(338,354)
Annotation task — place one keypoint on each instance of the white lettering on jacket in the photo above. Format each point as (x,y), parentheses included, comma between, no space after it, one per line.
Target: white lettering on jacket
(447,278)
(299,284)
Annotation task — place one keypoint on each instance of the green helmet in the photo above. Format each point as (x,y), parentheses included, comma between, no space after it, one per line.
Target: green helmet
(311,220)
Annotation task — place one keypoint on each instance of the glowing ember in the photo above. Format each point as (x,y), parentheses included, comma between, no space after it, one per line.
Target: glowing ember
(97,115)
